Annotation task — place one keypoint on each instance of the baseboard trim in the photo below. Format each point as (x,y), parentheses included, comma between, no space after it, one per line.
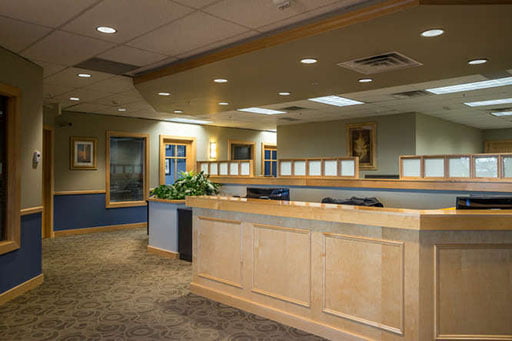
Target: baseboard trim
(296,321)
(21,289)
(162,252)
(63,233)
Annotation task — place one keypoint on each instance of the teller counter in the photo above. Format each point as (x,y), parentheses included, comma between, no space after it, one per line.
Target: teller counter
(357,273)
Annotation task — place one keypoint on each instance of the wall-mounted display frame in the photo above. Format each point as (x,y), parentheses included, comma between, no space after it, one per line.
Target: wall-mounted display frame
(226,168)
(83,153)
(362,143)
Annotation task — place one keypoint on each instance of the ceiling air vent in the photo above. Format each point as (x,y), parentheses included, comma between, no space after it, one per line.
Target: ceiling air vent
(108,66)
(390,61)
(293,108)
(410,94)
(289,119)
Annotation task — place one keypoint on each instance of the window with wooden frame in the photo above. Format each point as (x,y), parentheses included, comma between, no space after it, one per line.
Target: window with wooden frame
(177,155)
(9,168)
(127,169)
(269,159)
(242,150)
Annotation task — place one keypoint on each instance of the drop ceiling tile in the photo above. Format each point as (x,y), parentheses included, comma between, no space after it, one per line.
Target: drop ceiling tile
(51,91)
(133,56)
(114,84)
(90,107)
(161,63)
(65,48)
(196,3)
(119,100)
(49,68)
(69,77)
(84,94)
(191,32)
(16,35)
(131,18)
(44,12)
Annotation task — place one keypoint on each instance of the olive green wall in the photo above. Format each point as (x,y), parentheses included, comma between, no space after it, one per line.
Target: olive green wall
(395,137)
(27,76)
(497,134)
(92,125)
(435,136)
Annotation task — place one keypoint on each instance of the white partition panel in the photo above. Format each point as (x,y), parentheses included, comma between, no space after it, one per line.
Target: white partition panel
(411,168)
(330,168)
(486,167)
(245,168)
(315,168)
(214,168)
(204,168)
(348,167)
(299,168)
(507,166)
(459,167)
(233,168)
(434,168)
(223,168)
(285,168)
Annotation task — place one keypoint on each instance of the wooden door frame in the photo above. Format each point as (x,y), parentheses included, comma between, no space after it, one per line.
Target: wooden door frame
(169,139)
(47,225)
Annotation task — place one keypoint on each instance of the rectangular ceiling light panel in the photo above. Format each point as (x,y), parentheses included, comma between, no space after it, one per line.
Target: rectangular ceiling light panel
(502,113)
(490,102)
(472,86)
(335,100)
(262,111)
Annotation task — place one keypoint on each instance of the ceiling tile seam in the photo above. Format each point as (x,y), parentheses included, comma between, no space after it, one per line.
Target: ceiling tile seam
(196,8)
(226,20)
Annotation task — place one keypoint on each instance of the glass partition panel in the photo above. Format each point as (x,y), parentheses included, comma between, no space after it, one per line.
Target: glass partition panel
(315,168)
(245,168)
(347,167)
(434,168)
(204,168)
(223,168)
(214,168)
(411,168)
(285,168)
(330,168)
(127,167)
(299,168)
(458,167)
(233,168)
(507,166)
(486,167)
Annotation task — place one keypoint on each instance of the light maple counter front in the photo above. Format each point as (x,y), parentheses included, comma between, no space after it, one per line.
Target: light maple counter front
(358,273)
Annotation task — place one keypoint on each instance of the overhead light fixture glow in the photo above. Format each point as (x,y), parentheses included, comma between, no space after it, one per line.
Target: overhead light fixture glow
(309,61)
(502,113)
(164,93)
(121,109)
(187,120)
(84,75)
(263,111)
(478,61)
(213,150)
(285,93)
(436,32)
(178,111)
(223,103)
(490,102)
(365,80)
(335,100)
(106,29)
(472,86)
(220,80)
(74,98)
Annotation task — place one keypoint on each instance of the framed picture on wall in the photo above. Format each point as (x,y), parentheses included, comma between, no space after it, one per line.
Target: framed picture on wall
(362,142)
(83,152)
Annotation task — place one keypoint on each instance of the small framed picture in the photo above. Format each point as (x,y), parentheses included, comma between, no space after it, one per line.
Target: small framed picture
(83,152)
(362,142)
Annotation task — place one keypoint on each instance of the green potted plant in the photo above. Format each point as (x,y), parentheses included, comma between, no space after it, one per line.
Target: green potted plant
(189,184)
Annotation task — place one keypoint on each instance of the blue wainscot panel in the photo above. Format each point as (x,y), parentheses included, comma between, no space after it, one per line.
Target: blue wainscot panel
(25,263)
(88,210)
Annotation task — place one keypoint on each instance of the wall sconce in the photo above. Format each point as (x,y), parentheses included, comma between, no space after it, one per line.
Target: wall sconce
(213,150)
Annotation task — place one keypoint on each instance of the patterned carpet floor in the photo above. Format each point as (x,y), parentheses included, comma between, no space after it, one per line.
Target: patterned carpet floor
(105,286)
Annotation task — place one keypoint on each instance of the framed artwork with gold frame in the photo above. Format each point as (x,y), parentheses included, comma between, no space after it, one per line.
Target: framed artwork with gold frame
(82,153)
(362,142)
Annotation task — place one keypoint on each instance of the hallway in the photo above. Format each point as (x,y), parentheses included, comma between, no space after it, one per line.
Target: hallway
(105,286)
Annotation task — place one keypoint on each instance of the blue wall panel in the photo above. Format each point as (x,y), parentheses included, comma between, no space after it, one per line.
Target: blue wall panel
(88,210)
(25,263)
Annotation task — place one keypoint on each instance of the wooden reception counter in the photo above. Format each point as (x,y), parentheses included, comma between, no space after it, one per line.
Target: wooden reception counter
(358,273)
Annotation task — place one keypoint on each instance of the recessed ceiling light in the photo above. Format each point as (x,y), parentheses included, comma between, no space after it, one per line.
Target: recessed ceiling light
(121,109)
(365,80)
(262,111)
(106,29)
(178,111)
(285,93)
(472,86)
(220,80)
(74,98)
(478,61)
(84,75)
(335,100)
(436,32)
(502,113)
(490,102)
(308,60)
(223,103)
(187,120)
(164,93)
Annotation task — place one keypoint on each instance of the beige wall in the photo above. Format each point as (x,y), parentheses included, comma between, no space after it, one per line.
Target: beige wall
(497,134)
(92,125)
(437,136)
(27,76)
(395,137)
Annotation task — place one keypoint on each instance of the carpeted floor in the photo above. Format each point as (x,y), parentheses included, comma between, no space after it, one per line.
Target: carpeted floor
(105,286)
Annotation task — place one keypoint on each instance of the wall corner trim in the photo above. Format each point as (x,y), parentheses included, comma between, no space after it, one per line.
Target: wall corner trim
(21,289)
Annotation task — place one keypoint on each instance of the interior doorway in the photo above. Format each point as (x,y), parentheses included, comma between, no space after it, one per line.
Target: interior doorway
(47,226)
